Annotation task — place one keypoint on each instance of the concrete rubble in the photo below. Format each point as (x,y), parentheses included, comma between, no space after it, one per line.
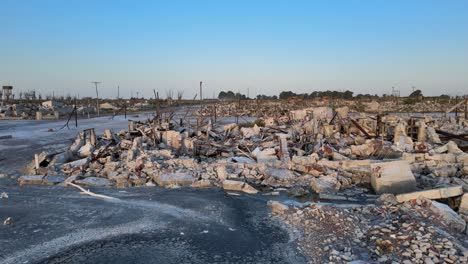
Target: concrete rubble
(35,110)
(416,231)
(7,221)
(60,107)
(333,154)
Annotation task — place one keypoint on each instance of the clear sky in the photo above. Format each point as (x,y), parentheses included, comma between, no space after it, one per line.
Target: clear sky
(267,46)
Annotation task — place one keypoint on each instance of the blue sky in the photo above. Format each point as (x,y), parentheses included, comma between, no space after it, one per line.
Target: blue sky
(266,46)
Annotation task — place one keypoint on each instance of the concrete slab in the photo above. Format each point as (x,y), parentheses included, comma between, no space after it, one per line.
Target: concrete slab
(344,164)
(463,209)
(175,179)
(450,217)
(392,177)
(432,194)
(239,186)
(30,179)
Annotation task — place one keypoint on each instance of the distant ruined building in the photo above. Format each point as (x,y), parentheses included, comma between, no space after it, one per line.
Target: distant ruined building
(6,93)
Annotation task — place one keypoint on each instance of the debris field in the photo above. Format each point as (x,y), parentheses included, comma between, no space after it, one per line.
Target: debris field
(379,188)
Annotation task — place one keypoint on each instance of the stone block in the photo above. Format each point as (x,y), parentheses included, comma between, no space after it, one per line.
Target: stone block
(449,157)
(448,171)
(463,209)
(439,193)
(78,163)
(175,179)
(412,157)
(95,182)
(202,184)
(52,180)
(450,217)
(277,207)
(462,158)
(279,174)
(347,164)
(30,180)
(392,177)
(248,132)
(173,139)
(325,184)
(239,186)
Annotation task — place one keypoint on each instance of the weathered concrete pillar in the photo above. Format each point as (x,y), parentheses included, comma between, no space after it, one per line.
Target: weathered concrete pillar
(284,151)
(421,131)
(57,115)
(108,134)
(400,130)
(38,115)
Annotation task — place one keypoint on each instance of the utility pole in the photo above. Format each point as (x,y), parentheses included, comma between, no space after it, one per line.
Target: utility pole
(201,90)
(118,92)
(97,96)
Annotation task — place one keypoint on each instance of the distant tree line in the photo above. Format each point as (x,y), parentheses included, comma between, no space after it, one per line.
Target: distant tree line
(332,94)
(230,95)
(266,97)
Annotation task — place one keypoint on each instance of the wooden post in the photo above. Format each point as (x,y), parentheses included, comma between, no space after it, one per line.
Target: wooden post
(76,115)
(201,91)
(93,137)
(215,113)
(466,108)
(36,161)
(237,110)
(378,127)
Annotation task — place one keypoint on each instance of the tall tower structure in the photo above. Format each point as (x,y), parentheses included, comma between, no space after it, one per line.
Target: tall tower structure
(7,92)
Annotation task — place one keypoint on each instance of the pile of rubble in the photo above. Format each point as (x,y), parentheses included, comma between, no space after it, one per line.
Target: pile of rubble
(275,108)
(44,110)
(415,231)
(260,109)
(422,106)
(317,150)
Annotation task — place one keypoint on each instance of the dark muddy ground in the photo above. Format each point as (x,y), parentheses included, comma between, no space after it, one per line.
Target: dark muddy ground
(144,225)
